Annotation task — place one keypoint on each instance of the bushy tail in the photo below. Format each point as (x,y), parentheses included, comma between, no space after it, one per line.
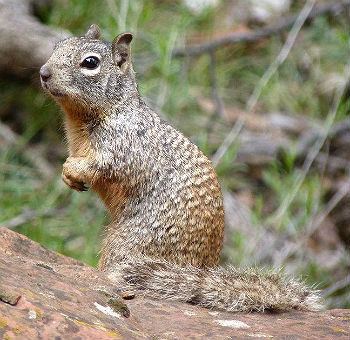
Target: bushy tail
(227,289)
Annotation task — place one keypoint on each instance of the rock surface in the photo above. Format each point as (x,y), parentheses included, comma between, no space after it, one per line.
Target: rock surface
(49,296)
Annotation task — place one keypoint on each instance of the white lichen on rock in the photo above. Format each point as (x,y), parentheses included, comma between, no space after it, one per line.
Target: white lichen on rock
(232,324)
(107,310)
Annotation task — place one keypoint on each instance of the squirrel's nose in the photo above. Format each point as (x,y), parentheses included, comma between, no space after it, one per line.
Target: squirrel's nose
(45,73)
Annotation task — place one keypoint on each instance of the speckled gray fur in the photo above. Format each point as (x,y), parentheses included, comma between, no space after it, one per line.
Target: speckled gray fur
(162,193)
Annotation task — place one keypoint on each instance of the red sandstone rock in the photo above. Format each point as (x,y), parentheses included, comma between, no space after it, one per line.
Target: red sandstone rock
(49,296)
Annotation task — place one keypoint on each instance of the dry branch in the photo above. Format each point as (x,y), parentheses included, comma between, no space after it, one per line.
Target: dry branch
(266,32)
(220,110)
(25,43)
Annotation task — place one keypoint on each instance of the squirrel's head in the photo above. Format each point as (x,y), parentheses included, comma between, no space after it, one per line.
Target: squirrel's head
(86,74)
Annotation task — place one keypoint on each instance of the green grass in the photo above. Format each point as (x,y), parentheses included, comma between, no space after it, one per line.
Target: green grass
(72,228)
(171,85)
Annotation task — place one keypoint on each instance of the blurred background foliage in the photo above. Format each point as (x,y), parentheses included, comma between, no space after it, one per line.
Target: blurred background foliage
(279,212)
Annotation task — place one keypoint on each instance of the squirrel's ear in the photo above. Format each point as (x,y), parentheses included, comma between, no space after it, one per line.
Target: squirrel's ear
(94,32)
(121,50)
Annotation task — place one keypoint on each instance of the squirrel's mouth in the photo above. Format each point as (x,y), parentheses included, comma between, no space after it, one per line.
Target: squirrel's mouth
(54,92)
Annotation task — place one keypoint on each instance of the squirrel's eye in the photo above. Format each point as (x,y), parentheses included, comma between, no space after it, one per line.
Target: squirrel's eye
(90,63)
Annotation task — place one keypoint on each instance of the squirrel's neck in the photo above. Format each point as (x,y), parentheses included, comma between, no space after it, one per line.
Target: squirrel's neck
(91,113)
(81,120)
(82,113)
(77,134)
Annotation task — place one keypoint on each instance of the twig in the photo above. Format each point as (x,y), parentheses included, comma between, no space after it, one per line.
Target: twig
(308,138)
(332,163)
(336,286)
(26,216)
(332,203)
(282,56)
(253,99)
(283,24)
(228,141)
(220,110)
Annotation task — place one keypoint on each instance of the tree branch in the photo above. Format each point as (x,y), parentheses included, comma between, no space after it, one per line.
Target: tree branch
(25,43)
(283,24)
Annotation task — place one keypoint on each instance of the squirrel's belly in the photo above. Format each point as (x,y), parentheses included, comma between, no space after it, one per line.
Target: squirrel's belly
(179,219)
(114,195)
(181,230)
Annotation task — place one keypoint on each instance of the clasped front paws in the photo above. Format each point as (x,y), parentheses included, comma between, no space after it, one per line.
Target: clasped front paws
(75,173)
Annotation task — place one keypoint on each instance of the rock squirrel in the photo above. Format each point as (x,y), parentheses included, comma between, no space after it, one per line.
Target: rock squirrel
(165,202)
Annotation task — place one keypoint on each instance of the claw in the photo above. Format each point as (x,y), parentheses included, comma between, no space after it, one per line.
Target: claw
(78,186)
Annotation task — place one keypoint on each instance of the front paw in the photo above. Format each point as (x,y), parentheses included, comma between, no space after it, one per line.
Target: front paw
(73,174)
(74,184)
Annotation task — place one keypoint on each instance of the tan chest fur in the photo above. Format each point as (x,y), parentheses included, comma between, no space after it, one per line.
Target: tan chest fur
(79,144)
